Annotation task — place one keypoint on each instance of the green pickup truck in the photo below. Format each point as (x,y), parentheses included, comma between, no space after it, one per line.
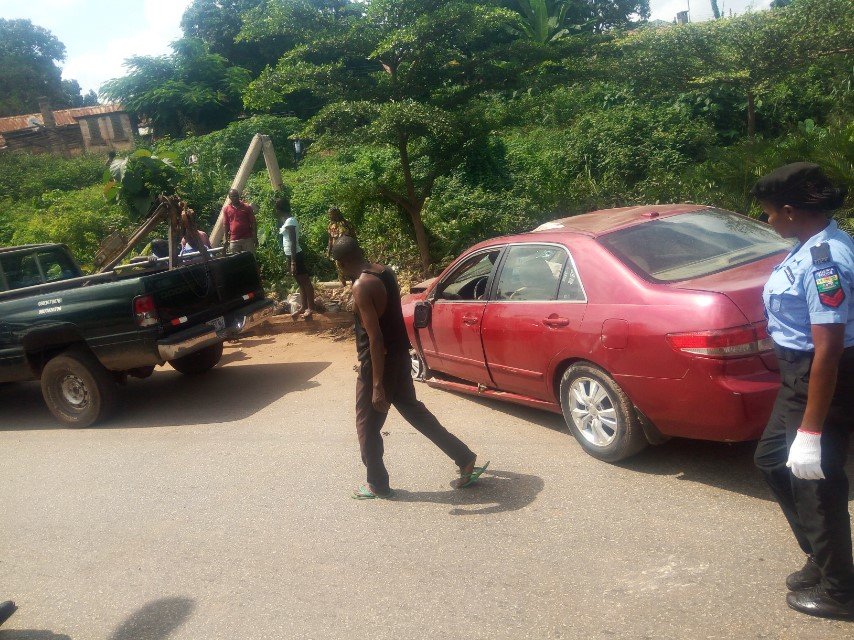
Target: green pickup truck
(82,335)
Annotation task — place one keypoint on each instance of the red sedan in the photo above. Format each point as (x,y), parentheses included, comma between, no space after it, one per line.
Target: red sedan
(636,324)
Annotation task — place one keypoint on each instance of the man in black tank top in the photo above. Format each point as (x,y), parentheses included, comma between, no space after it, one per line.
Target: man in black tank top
(384,378)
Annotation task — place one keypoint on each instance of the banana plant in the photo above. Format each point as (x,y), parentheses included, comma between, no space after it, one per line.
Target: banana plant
(543,20)
(137,180)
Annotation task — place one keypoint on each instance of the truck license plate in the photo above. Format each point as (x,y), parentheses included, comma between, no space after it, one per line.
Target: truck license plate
(218,324)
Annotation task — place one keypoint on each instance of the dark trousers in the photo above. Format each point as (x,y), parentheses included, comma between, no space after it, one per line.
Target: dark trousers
(400,392)
(817,510)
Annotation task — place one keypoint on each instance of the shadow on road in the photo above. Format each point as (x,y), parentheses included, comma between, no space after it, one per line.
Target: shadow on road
(717,464)
(156,620)
(31,634)
(538,417)
(497,491)
(168,398)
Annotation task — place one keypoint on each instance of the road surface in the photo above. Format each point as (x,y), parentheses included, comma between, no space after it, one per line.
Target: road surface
(218,507)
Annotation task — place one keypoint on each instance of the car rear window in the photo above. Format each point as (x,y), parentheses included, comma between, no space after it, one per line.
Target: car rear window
(692,245)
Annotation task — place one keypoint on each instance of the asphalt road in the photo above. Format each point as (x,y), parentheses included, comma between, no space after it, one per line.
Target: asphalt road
(218,507)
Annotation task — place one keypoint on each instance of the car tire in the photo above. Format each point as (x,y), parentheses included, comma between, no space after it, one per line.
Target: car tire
(599,414)
(418,367)
(199,361)
(78,390)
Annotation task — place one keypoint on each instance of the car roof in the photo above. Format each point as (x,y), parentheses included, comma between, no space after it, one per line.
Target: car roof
(594,224)
(28,247)
(606,220)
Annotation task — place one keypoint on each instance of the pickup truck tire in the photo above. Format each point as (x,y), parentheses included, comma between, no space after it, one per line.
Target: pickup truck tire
(599,414)
(199,361)
(77,388)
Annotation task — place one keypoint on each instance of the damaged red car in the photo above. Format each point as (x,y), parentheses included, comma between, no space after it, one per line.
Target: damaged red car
(637,324)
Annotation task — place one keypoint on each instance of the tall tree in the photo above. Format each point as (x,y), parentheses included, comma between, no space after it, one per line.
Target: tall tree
(29,67)
(602,15)
(407,77)
(190,91)
(218,22)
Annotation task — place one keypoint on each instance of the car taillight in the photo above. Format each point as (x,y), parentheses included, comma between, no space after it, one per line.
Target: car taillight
(725,343)
(145,312)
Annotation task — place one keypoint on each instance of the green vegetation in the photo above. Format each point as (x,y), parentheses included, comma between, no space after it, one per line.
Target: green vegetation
(434,124)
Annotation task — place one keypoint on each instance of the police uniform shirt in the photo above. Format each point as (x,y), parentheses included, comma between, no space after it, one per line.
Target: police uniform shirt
(813,285)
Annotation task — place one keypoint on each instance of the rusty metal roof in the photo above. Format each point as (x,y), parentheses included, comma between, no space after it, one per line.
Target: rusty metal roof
(63,117)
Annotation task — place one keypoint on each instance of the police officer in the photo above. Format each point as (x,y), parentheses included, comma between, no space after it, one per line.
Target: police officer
(810,307)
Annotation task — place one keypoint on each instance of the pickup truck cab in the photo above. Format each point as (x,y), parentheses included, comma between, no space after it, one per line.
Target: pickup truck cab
(81,334)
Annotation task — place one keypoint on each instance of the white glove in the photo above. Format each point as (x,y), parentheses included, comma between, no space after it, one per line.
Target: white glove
(805,456)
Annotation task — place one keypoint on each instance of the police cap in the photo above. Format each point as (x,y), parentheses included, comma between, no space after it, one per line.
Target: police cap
(800,184)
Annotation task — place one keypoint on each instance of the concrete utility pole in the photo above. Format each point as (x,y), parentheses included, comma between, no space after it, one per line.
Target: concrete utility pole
(260,143)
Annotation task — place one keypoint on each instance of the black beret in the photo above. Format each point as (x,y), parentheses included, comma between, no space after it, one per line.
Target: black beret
(801,185)
(787,180)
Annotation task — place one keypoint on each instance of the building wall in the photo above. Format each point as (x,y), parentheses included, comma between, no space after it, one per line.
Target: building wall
(61,141)
(105,133)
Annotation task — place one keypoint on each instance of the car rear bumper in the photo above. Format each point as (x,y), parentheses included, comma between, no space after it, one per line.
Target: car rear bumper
(204,335)
(723,409)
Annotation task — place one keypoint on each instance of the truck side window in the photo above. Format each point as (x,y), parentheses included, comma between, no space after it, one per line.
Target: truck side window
(21,270)
(56,265)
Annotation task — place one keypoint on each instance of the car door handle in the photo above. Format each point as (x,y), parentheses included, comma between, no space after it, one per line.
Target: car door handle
(556,322)
(470,320)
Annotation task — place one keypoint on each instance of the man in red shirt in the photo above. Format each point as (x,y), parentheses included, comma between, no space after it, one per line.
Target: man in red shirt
(241,228)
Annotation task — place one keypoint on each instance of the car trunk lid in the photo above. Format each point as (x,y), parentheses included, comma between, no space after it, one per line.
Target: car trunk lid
(743,286)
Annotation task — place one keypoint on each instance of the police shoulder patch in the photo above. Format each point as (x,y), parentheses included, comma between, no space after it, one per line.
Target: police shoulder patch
(829,288)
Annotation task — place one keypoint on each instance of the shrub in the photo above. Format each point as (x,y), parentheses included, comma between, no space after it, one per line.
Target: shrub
(25,176)
(80,219)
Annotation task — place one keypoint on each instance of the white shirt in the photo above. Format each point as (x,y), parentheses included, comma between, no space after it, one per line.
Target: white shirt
(286,241)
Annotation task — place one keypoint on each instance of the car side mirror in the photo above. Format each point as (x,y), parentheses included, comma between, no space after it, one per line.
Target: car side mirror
(422,315)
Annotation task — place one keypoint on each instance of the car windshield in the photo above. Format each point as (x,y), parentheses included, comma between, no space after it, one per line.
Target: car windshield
(692,245)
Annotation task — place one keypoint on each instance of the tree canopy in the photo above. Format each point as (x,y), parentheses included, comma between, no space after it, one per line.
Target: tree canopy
(189,91)
(29,69)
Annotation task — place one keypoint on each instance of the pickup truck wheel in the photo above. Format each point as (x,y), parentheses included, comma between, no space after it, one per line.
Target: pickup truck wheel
(599,414)
(77,388)
(199,361)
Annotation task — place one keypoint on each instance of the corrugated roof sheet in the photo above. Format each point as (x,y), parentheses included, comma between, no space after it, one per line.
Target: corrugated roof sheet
(63,117)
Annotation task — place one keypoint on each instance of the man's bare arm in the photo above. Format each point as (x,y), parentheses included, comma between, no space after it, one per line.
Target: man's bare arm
(369,294)
(292,237)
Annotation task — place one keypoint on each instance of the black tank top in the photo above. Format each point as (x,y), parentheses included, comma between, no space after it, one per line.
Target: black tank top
(391,321)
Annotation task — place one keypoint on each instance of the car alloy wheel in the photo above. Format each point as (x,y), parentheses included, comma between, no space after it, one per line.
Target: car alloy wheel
(593,411)
(417,367)
(599,413)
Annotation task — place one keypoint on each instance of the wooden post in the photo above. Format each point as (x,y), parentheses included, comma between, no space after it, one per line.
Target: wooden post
(240,179)
(272,163)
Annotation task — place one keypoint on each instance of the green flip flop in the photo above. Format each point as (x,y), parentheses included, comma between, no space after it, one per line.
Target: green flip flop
(470,479)
(364,492)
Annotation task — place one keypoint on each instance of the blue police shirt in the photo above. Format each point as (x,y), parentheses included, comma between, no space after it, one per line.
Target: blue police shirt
(813,285)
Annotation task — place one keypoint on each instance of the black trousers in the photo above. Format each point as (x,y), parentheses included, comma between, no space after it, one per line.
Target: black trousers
(400,392)
(817,510)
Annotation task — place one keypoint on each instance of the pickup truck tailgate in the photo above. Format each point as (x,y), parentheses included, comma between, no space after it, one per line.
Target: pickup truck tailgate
(197,293)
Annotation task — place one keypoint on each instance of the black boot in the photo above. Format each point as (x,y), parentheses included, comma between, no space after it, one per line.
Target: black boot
(6,610)
(818,602)
(808,576)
